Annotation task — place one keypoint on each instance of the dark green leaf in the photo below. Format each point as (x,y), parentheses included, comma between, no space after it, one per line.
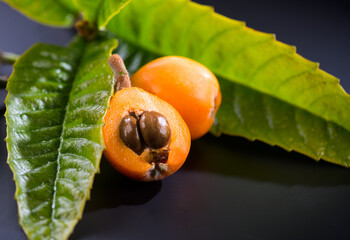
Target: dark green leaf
(269,92)
(55,108)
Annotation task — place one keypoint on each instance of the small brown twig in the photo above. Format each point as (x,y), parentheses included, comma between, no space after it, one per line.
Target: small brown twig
(86,30)
(8,58)
(121,75)
(3,81)
(2,109)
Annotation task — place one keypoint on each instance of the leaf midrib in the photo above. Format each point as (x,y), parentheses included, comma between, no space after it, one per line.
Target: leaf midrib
(53,205)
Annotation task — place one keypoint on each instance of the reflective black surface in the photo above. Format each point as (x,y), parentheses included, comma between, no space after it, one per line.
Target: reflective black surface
(229,188)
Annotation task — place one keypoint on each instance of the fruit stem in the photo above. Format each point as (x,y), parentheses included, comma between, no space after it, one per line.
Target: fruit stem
(121,75)
(8,58)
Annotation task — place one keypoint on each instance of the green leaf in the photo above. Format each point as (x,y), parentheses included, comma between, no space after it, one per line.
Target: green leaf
(62,13)
(108,10)
(57,99)
(269,92)
(69,4)
(89,9)
(59,13)
(100,11)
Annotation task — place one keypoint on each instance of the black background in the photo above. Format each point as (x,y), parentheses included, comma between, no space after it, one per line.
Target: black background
(229,188)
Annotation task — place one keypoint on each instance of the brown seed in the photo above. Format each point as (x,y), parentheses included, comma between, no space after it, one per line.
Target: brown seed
(155,129)
(129,133)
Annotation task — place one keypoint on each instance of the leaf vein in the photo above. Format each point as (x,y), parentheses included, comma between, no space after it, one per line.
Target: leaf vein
(263,65)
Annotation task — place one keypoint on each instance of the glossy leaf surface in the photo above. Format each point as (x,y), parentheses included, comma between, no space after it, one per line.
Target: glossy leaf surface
(55,107)
(269,92)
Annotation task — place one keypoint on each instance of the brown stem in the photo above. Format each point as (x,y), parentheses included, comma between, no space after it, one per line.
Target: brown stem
(8,58)
(121,75)
(3,82)
(86,30)
(2,109)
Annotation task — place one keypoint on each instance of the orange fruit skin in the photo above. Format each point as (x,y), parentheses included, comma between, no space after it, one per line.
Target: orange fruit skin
(125,160)
(191,88)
